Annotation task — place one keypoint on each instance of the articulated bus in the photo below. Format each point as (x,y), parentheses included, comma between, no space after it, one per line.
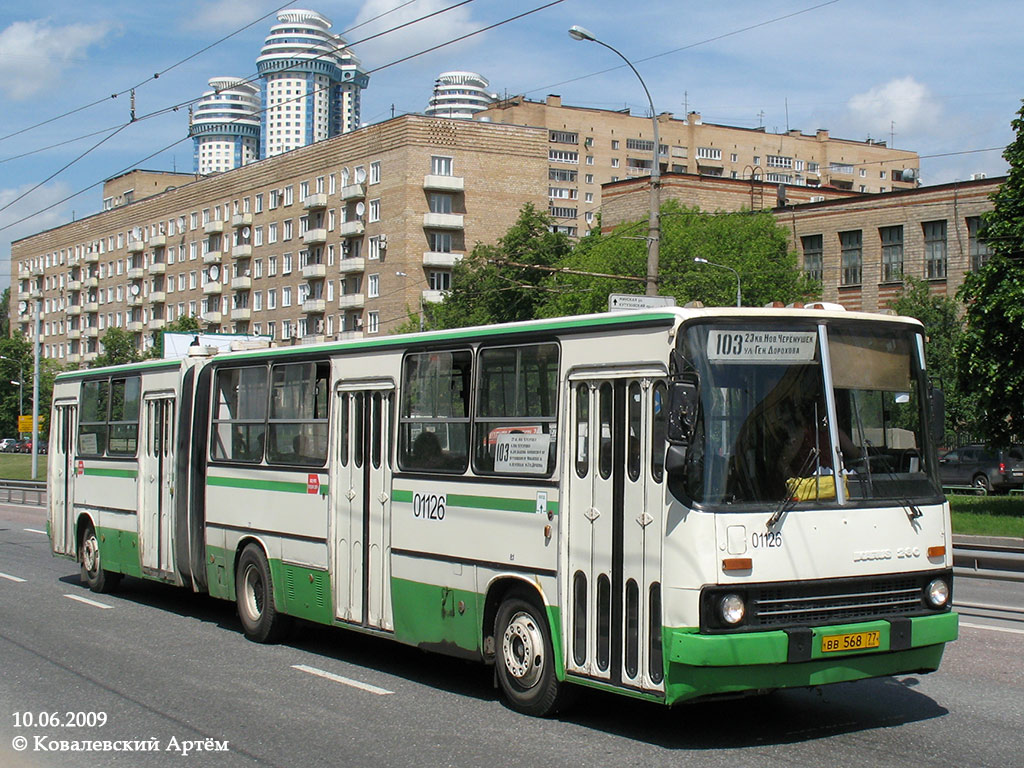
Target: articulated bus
(669,504)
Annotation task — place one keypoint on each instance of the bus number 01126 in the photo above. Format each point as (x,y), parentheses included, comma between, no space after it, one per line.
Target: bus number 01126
(429,506)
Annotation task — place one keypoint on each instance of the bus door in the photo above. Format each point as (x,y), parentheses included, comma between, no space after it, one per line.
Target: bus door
(156,486)
(615,523)
(64,432)
(361,504)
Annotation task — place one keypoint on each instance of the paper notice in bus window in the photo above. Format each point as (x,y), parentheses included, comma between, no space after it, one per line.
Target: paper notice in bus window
(746,346)
(87,442)
(521,453)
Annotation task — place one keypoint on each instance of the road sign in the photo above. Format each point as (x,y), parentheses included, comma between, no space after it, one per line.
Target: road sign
(622,301)
(25,423)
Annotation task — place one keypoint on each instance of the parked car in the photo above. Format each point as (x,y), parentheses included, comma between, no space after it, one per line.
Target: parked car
(8,445)
(986,469)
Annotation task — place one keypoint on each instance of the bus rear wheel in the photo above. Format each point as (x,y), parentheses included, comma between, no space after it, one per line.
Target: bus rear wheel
(93,575)
(525,659)
(254,594)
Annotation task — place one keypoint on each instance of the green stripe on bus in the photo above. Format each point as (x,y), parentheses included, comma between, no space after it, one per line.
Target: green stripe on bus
(496,503)
(282,486)
(107,472)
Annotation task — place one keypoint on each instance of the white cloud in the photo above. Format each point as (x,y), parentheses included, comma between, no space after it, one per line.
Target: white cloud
(34,54)
(41,198)
(904,101)
(412,39)
(228,15)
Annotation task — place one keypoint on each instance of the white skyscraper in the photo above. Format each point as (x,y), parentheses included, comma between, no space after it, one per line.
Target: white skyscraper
(225,127)
(460,95)
(311,83)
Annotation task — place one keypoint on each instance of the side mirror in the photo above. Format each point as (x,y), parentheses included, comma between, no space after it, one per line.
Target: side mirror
(683,399)
(937,411)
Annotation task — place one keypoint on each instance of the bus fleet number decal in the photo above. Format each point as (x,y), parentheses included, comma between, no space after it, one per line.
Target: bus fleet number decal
(766,540)
(429,506)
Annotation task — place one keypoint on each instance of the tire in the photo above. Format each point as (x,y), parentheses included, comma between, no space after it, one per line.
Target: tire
(254,595)
(525,660)
(93,575)
(981,482)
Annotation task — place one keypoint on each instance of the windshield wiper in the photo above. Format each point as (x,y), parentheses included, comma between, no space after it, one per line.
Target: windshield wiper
(789,500)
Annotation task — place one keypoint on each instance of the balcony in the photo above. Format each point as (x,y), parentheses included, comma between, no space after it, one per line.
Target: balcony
(74,285)
(241,220)
(135,273)
(442,220)
(91,332)
(36,271)
(351,301)
(74,334)
(212,289)
(241,314)
(158,297)
(314,271)
(210,318)
(91,258)
(88,357)
(433,297)
(136,246)
(135,326)
(351,265)
(314,306)
(351,228)
(316,236)
(313,338)
(350,335)
(73,358)
(213,257)
(134,301)
(444,183)
(315,202)
(439,259)
(353,192)
(156,324)
(158,268)
(91,282)
(158,241)
(73,310)
(242,251)
(90,307)
(242,283)
(213,227)
(35,293)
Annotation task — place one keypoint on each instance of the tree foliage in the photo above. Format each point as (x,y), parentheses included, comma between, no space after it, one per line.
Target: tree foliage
(20,362)
(184,324)
(118,347)
(991,351)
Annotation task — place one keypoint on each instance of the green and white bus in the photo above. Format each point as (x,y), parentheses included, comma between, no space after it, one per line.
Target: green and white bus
(670,504)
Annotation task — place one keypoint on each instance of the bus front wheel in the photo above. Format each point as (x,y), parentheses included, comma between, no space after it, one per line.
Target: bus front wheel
(525,659)
(93,575)
(254,593)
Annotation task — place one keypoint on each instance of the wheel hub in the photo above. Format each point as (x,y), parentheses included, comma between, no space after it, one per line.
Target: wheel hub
(89,554)
(523,646)
(253,593)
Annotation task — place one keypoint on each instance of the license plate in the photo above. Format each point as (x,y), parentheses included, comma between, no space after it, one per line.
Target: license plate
(854,641)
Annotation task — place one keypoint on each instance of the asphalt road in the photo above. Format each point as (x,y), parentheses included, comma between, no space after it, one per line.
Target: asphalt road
(168,668)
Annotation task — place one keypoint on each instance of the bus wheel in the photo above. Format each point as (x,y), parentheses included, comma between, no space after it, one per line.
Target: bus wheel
(525,660)
(97,579)
(254,592)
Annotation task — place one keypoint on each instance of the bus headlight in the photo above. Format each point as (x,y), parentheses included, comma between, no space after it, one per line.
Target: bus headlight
(936,594)
(732,609)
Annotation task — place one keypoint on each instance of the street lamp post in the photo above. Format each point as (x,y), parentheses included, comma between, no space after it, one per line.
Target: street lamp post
(577,32)
(699,260)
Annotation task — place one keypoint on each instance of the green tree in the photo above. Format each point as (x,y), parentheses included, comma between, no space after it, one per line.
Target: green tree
(5,310)
(944,328)
(991,351)
(118,347)
(19,361)
(184,324)
(487,290)
(752,244)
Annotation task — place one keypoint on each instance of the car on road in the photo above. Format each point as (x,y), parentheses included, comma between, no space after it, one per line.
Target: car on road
(987,469)
(25,446)
(8,445)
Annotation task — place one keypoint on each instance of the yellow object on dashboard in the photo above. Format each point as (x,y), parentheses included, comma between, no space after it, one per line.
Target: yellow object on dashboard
(812,488)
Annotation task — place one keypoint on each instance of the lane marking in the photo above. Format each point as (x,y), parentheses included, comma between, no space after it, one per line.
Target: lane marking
(87,601)
(343,680)
(11,578)
(35,530)
(990,607)
(994,629)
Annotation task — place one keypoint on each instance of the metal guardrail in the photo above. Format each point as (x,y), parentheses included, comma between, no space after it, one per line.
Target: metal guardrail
(989,557)
(29,492)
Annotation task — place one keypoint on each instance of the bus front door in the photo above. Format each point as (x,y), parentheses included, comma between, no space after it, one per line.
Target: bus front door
(156,485)
(62,506)
(615,527)
(361,506)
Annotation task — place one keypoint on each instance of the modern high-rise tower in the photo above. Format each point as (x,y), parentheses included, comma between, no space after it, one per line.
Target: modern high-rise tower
(459,95)
(225,127)
(311,83)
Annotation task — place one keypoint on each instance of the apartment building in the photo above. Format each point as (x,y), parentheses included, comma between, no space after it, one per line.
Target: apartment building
(592,147)
(859,246)
(344,238)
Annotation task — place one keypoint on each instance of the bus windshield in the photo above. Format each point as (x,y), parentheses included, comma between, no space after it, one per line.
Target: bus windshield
(782,419)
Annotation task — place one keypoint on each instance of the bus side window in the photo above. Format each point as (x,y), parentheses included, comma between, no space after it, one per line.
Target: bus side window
(297,431)
(92,425)
(582,429)
(433,421)
(658,427)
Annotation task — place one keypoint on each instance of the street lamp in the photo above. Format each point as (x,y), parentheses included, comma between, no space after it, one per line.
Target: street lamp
(577,32)
(699,260)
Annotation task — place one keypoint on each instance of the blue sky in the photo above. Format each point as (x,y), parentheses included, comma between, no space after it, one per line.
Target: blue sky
(944,76)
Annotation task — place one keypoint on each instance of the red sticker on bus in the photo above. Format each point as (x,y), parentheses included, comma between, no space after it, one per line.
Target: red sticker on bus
(313,484)
(81,467)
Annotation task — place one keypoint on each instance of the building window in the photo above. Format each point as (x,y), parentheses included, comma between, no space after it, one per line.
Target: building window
(851,247)
(710,153)
(375,172)
(373,248)
(779,161)
(440,242)
(563,156)
(934,249)
(561,174)
(564,137)
(286,232)
(372,322)
(440,166)
(589,178)
(372,286)
(440,281)
(286,264)
(977,247)
(374,214)
(892,253)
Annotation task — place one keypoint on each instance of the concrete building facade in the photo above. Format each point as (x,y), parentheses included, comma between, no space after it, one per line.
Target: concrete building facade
(225,127)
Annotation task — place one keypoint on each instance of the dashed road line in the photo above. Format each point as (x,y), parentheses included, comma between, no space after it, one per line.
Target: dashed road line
(994,629)
(87,601)
(343,680)
(11,578)
(35,530)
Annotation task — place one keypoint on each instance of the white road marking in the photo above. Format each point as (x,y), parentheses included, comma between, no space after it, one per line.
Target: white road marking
(994,629)
(990,607)
(11,578)
(35,530)
(87,601)
(343,680)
